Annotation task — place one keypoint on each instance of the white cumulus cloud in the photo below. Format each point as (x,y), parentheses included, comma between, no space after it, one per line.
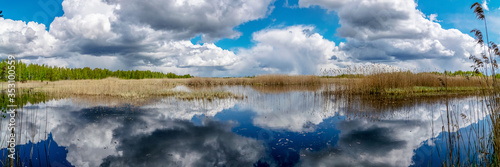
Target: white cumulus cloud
(119,32)
(485,5)
(213,19)
(392,31)
(290,50)
(154,35)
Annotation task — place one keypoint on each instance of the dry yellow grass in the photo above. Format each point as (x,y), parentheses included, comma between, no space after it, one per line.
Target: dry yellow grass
(406,82)
(290,88)
(281,80)
(408,79)
(121,88)
(108,87)
(160,87)
(200,81)
(268,80)
(379,83)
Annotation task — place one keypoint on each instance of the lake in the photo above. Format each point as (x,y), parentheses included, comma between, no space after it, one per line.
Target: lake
(269,127)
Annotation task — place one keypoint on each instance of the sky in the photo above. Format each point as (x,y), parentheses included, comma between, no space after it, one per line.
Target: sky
(219,38)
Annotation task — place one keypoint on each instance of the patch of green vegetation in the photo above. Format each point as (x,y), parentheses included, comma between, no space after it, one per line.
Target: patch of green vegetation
(25,72)
(21,99)
(202,94)
(430,91)
(345,76)
(460,73)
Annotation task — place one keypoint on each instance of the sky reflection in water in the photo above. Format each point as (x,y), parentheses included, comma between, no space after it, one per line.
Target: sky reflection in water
(301,128)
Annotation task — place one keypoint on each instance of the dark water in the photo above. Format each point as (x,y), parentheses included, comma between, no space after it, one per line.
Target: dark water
(294,128)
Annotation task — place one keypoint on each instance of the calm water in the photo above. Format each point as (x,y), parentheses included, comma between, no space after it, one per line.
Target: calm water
(267,128)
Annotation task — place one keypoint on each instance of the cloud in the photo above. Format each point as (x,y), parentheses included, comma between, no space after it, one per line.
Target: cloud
(391,140)
(26,39)
(90,20)
(328,4)
(433,18)
(365,144)
(392,31)
(115,136)
(485,5)
(290,50)
(154,35)
(119,31)
(214,19)
(103,33)
(188,145)
(186,110)
(301,107)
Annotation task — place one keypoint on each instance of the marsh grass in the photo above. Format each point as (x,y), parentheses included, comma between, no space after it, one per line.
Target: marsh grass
(290,88)
(373,92)
(282,80)
(408,83)
(128,89)
(377,81)
(474,145)
(261,80)
(110,101)
(394,84)
(206,82)
(487,144)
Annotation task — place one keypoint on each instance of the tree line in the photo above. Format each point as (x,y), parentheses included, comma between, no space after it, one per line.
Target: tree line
(35,72)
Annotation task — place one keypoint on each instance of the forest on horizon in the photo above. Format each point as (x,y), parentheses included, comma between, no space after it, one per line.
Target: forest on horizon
(35,72)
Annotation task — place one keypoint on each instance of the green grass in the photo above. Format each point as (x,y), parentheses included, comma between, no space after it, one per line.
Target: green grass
(425,90)
(345,76)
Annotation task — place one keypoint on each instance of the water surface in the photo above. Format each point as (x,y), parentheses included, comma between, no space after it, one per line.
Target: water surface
(291,127)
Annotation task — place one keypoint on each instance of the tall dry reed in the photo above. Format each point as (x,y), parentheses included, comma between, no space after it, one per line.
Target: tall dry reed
(144,88)
(264,80)
(407,82)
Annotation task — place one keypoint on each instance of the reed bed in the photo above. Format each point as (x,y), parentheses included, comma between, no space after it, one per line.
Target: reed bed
(393,83)
(281,80)
(380,79)
(266,80)
(114,87)
(401,83)
(290,88)
(109,101)
(206,82)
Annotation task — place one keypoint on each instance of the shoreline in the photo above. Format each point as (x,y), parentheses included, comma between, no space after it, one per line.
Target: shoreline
(384,85)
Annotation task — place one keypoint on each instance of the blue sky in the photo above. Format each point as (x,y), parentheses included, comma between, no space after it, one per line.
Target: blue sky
(41,11)
(237,38)
(286,14)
